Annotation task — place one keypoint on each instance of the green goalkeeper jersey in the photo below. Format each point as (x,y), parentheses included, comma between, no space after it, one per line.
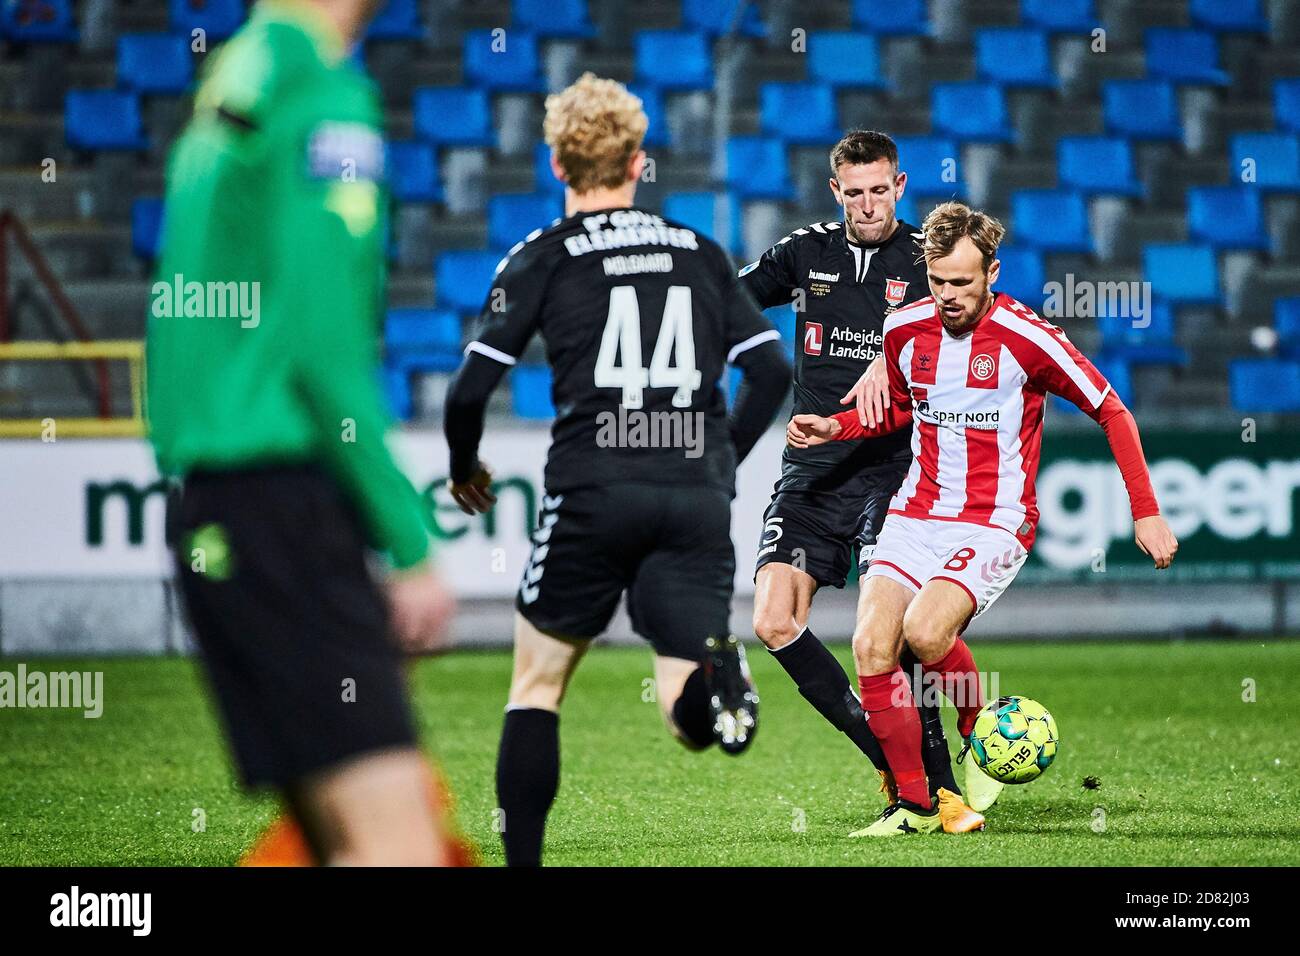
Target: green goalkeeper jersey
(264,326)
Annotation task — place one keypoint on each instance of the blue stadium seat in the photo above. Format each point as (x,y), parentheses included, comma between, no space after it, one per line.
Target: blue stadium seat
(1114,370)
(544,180)
(453,116)
(802,113)
(513,216)
(701,212)
(927,160)
(1141,109)
(1230,16)
(970,111)
(1182,273)
(1014,56)
(1286,104)
(1227,217)
(553,18)
(417,340)
(757,168)
(398,20)
(42,21)
(462,279)
(218,19)
(154,62)
(652,101)
(891,17)
(845,60)
(1022,274)
(1153,344)
(696,211)
(1286,322)
(1184,56)
(502,61)
(1059,16)
(1264,385)
(1055,220)
(674,60)
(714,17)
(530,391)
(146,227)
(1097,165)
(413,171)
(1275,158)
(103,119)
(432,331)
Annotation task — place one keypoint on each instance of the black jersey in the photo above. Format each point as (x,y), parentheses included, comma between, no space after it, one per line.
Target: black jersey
(847,290)
(640,316)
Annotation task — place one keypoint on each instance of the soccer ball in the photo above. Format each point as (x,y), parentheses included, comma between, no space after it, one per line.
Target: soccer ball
(1014,739)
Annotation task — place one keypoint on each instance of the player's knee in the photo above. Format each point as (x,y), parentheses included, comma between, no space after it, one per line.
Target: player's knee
(539,685)
(928,641)
(774,629)
(871,654)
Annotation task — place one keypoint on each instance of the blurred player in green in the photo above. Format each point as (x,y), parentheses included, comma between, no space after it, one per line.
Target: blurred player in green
(263,399)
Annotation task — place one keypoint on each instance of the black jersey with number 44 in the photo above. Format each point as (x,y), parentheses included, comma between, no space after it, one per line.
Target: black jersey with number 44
(842,293)
(640,316)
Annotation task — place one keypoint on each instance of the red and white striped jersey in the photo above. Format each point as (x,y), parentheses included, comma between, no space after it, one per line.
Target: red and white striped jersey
(977,406)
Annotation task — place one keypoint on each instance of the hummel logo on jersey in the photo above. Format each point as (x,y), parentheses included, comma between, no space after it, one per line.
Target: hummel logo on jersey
(812,338)
(924,361)
(983,367)
(826,276)
(895,290)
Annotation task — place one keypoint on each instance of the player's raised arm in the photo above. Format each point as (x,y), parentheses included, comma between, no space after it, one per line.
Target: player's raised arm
(1063,370)
(505,325)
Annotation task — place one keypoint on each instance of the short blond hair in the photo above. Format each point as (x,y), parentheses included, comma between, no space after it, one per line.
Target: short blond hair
(949,221)
(595,128)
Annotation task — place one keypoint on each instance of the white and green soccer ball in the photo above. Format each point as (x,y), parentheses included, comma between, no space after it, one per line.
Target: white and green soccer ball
(1014,739)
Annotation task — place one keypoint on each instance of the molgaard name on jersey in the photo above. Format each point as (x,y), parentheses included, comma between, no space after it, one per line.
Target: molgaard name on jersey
(632,265)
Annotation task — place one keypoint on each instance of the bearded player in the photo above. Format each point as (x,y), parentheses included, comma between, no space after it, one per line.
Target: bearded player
(845,278)
(969,369)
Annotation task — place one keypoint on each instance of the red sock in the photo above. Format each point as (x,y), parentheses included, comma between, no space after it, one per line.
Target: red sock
(892,714)
(961,684)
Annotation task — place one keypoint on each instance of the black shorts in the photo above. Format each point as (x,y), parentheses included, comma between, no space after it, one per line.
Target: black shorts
(292,629)
(816,530)
(668,546)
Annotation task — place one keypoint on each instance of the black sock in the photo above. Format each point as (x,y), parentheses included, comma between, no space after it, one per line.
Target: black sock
(934,745)
(691,711)
(528,775)
(822,681)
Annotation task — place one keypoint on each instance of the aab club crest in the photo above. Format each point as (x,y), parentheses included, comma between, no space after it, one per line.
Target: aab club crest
(895,290)
(983,367)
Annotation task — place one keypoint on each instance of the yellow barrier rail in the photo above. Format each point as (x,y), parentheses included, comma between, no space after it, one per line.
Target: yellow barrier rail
(126,350)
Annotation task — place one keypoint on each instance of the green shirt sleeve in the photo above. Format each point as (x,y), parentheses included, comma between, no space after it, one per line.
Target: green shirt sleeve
(330,236)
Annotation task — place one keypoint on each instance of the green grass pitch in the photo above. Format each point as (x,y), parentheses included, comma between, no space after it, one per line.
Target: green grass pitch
(1190,773)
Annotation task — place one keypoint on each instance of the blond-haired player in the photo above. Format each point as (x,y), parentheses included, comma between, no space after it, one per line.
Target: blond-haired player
(639,316)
